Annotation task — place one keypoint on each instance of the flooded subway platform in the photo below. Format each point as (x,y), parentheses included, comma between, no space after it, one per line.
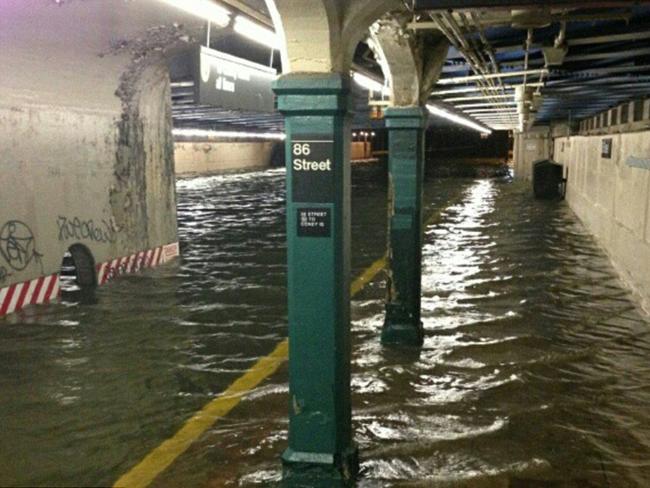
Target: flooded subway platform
(534,370)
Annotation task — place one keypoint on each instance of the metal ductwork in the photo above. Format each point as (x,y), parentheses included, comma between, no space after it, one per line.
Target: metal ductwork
(534,18)
(554,56)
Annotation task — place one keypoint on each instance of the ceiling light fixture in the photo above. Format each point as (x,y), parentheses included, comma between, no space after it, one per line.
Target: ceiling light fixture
(470,89)
(505,74)
(485,105)
(204,9)
(219,134)
(457,119)
(368,83)
(256,32)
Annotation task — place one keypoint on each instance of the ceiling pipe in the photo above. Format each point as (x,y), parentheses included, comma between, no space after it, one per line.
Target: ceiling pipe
(485,105)
(454,33)
(529,42)
(490,51)
(472,89)
(473,111)
(487,47)
(479,65)
(478,97)
(560,40)
(458,45)
(508,74)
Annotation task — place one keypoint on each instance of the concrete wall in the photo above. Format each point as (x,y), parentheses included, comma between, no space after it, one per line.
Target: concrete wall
(86,151)
(529,147)
(219,157)
(612,198)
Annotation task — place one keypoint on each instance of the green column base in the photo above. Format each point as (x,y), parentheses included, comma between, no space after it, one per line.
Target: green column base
(401,327)
(302,469)
(406,127)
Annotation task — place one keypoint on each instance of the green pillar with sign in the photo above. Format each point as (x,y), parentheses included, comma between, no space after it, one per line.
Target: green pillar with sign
(403,325)
(321,451)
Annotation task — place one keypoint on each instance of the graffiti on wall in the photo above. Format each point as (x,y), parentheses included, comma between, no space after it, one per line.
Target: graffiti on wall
(18,246)
(79,229)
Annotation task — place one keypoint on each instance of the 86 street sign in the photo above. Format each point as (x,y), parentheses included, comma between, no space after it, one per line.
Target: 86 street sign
(312,169)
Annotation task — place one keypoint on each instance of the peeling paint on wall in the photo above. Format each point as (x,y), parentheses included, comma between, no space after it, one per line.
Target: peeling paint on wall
(145,75)
(634,162)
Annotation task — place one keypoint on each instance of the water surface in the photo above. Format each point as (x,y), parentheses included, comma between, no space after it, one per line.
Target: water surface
(534,371)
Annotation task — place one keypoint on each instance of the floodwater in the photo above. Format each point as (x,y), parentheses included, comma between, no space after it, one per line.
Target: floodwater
(535,370)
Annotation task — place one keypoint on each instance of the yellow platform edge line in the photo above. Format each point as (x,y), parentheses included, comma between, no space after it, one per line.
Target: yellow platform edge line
(160,458)
(143,474)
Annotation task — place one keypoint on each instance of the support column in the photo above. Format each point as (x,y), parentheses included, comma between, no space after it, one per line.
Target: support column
(315,107)
(406,174)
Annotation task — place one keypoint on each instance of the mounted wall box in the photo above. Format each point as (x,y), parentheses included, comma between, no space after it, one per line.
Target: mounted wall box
(606,151)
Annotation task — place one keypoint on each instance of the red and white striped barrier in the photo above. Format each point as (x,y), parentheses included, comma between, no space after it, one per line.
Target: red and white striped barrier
(135,262)
(37,291)
(46,288)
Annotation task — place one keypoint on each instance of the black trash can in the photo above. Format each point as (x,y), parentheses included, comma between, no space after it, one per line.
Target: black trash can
(548,179)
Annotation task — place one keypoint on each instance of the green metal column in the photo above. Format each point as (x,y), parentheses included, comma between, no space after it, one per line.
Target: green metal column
(406,173)
(321,451)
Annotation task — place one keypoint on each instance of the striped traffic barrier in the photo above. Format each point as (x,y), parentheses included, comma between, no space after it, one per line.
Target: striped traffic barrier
(45,289)
(37,291)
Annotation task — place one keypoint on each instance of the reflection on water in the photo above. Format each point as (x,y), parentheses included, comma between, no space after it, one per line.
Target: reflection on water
(534,371)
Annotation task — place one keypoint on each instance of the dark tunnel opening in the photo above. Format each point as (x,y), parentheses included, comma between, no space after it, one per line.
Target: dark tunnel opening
(78,278)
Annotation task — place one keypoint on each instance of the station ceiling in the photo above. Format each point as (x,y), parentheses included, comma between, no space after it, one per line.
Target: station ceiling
(580,60)
(575,58)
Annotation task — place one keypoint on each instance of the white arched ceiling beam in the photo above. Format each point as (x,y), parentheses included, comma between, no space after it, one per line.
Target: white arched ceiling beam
(395,50)
(310,31)
(359,16)
(411,63)
(321,35)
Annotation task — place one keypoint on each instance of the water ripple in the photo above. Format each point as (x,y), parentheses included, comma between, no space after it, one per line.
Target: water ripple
(534,371)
